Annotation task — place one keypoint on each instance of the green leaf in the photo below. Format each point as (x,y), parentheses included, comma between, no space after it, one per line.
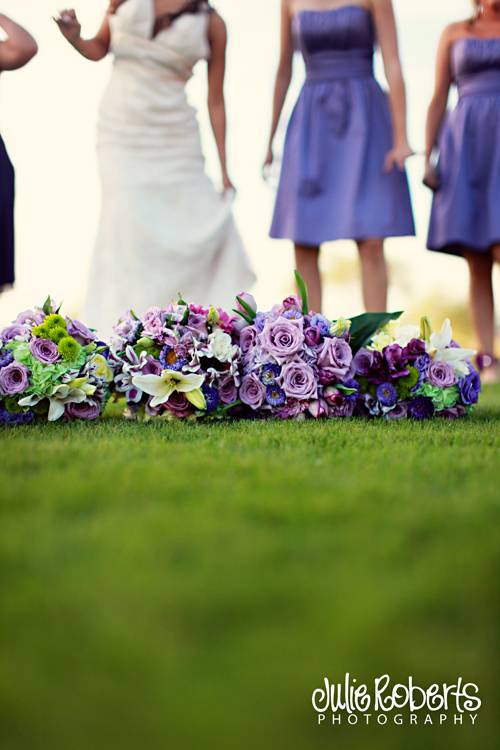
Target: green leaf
(364,327)
(302,287)
(246,307)
(47,306)
(243,315)
(344,389)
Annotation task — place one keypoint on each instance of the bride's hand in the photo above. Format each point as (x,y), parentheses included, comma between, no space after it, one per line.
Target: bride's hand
(397,157)
(69,25)
(431,177)
(268,162)
(227,184)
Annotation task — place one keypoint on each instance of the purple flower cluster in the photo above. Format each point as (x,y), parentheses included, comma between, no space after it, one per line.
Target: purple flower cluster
(186,340)
(294,366)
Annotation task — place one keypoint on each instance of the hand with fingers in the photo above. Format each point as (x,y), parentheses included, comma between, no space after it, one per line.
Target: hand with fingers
(397,157)
(69,25)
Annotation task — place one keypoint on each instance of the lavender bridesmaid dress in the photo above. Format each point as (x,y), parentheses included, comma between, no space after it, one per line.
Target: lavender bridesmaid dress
(333,185)
(466,208)
(6,219)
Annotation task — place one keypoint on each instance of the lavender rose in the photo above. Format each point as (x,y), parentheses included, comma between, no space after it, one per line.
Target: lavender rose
(298,381)
(228,392)
(14,332)
(363,362)
(248,337)
(252,391)
(80,332)
(44,351)
(282,338)
(313,336)
(441,374)
(87,410)
(13,379)
(335,358)
(179,406)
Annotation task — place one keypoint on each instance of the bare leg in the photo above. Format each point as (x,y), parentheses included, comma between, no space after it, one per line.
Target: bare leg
(482,304)
(373,274)
(307,259)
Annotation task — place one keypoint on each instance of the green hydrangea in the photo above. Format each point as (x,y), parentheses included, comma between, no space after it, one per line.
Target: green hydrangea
(69,348)
(442,398)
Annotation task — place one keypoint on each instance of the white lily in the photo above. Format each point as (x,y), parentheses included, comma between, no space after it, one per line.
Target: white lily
(161,387)
(441,350)
(74,392)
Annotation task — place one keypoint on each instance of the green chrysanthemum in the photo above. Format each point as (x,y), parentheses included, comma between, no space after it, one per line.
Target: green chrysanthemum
(68,348)
(41,331)
(57,334)
(55,321)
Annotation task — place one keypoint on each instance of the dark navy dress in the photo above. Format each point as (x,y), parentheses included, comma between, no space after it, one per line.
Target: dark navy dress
(6,218)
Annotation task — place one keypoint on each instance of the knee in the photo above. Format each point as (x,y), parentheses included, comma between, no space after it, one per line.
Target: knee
(371,253)
(479,264)
(495,253)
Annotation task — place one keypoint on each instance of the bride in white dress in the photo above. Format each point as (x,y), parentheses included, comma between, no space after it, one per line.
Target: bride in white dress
(164,229)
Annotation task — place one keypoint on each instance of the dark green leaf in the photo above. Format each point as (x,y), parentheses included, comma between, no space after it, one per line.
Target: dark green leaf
(244,316)
(302,287)
(246,307)
(364,327)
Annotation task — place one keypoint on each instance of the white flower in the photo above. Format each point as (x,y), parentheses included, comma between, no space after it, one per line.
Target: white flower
(220,346)
(385,337)
(74,392)
(441,350)
(405,334)
(161,387)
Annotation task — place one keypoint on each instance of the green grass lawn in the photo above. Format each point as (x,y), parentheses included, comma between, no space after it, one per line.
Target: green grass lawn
(187,586)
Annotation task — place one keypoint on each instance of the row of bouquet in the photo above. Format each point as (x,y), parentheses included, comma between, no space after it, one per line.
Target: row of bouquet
(184,361)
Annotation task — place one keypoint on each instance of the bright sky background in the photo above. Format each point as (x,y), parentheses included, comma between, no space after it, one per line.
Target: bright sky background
(48,116)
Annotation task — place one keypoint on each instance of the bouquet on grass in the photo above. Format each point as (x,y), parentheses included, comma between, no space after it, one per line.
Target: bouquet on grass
(297,364)
(411,372)
(177,362)
(51,367)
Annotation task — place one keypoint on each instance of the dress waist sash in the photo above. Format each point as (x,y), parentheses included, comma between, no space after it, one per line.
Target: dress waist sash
(486,82)
(337,66)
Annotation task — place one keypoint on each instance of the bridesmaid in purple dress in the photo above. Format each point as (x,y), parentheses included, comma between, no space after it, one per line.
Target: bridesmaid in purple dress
(15,52)
(343,174)
(466,208)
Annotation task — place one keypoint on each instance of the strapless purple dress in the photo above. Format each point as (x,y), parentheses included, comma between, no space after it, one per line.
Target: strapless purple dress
(6,218)
(466,208)
(333,185)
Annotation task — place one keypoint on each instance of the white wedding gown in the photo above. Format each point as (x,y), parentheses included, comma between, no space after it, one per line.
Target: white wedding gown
(164,229)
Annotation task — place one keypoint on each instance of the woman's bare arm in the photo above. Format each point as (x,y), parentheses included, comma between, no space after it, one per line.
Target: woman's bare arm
(385,23)
(19,47)
(439,101)
(217,36)
(94,49)
(283,74)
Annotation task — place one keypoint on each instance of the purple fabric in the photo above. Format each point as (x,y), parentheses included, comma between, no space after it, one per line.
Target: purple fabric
(465,211)
(333,185)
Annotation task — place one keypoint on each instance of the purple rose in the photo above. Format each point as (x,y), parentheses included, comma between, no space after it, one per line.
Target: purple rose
(30,317)
(248,338)
(298,381)
(363,362)
(313,336)
(335,358)
(252,391)
(45,351)
(282,338)
(13,332)
(80,332)
(13,379)
(87,410)
(179,406)
(441,374)
(228,392)
(470,388)
(420,408)
(340,406)
(396,361)
(413,350)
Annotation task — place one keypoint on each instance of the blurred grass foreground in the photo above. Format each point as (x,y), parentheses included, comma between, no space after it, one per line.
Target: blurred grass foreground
(188,586)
